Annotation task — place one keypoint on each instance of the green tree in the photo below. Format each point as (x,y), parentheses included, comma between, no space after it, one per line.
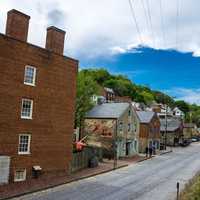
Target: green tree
(86,88)
(148,97)
(163,98)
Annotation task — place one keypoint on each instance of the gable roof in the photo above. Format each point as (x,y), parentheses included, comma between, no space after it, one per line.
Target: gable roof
(177,109)
(108,110)
(172,124)
(145,116)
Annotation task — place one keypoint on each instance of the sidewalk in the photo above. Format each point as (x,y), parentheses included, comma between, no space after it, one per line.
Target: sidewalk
(20,188)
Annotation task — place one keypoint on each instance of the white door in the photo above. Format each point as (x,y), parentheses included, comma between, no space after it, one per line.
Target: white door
(4,169)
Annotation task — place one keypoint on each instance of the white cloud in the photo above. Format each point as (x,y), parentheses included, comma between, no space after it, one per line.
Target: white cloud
(128,49)
(186,94)
(103,27)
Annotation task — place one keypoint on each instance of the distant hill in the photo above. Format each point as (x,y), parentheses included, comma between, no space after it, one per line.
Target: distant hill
(123,86)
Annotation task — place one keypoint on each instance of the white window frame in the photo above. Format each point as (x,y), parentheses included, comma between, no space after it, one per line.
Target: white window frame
(34,75)
(20,179)
(31,110)
(29,145)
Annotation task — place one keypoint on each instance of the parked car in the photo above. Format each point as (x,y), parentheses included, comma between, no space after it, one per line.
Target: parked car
(185,143)
(195,138)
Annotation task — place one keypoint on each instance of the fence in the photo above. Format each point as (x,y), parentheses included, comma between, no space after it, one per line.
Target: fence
(81,159)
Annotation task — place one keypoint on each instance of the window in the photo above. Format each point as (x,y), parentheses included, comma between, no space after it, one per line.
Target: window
(20,175)
(129,127)
(30,75)
(24,144)
(129,113)
(135,145)
(26,110)
(121,126)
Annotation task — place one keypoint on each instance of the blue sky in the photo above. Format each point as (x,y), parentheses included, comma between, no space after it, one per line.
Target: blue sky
(167,70)
(103,33)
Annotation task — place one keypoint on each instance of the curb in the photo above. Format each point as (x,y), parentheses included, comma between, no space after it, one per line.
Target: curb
(166,152)
(66,182)
(148,158)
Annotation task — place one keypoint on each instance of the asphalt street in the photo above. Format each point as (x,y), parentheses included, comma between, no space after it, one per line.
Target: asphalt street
(153,179)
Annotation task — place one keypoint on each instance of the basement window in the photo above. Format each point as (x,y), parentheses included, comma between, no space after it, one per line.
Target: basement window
(20,175)
(30,75)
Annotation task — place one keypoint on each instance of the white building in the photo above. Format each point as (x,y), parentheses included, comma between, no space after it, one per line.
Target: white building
(177,112)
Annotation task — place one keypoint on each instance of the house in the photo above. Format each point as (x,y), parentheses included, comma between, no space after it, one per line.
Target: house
(138,106)
(107,95)
(178,113)
(156,107)
(189,130)
(149,130)
(172,130)
(97,99)
(110,125)
(123,99)
(37,89)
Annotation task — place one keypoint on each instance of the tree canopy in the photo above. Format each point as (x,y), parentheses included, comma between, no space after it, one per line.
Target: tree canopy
(86,88)
(91,80)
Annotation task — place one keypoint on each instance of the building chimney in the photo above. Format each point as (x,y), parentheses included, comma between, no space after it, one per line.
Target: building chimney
(55,39)
(17,25)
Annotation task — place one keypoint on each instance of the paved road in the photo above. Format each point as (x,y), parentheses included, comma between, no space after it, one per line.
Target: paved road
(153,179)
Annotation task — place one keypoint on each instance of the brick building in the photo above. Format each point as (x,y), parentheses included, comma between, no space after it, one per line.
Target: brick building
(37,97)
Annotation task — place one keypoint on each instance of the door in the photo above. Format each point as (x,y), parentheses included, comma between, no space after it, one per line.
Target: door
(128,148)
(4,169)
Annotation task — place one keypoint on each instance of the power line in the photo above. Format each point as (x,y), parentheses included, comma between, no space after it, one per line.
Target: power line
(135,21)
(150,20)
(177,22)
(162,22)
(146,16)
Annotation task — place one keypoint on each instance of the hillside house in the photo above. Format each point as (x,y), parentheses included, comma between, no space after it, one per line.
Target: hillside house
(178,113)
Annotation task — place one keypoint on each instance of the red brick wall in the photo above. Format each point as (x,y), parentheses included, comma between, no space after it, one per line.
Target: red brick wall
(17,25)
(51,128)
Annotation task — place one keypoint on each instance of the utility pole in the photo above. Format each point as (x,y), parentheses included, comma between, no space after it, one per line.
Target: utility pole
(190,124)
(115,147)
(165,126)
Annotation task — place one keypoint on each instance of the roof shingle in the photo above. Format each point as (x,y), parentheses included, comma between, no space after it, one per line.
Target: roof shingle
(145,116)
(108,110)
